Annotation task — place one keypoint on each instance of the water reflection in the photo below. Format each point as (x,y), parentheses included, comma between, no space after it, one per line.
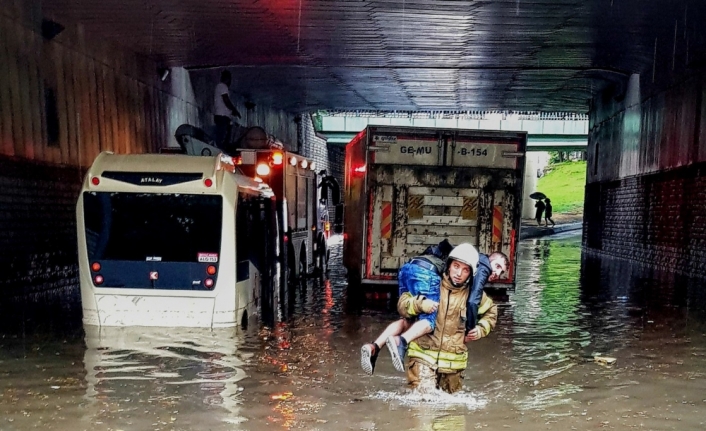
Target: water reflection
(546,311)
(182,376)
(536,371)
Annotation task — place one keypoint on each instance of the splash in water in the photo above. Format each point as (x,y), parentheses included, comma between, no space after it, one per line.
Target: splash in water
(432,397)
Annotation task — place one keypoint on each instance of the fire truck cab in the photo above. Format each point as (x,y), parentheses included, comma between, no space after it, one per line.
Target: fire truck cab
(301,248)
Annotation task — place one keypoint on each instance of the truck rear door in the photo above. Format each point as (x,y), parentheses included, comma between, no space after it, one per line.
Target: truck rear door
(435,185)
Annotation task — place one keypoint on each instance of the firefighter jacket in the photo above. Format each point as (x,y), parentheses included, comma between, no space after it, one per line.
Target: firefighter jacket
(488,313)
(444,349)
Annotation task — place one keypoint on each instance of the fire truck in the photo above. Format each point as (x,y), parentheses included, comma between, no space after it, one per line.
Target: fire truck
(301,246)
(407,188)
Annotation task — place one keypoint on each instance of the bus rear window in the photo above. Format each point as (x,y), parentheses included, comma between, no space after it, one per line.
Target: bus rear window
(156,227)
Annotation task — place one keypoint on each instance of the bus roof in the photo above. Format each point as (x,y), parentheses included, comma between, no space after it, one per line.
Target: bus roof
(108,161)
(174,163)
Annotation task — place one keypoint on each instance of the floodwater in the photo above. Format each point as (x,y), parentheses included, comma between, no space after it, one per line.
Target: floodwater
(537,371)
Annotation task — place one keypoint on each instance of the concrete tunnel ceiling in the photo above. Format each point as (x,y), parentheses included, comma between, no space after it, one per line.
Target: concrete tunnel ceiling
(299,55)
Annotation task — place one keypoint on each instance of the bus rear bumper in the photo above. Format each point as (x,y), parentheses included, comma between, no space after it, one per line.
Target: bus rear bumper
(163,311)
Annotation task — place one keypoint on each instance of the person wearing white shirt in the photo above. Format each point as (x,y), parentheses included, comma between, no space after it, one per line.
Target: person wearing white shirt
(223,108)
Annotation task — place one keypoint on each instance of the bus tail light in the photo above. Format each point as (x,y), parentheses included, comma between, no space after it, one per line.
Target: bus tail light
(208,182)
(211,270)
(98,279)
(359,169)
(208,283)
(95,181)
(95,266)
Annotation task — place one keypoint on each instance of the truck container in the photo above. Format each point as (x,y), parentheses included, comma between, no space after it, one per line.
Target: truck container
(407,188)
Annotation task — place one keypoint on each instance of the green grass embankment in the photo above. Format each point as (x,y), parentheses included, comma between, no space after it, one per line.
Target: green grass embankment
(565,185)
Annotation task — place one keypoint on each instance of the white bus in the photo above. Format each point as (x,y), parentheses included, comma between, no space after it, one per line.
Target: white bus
(174,240)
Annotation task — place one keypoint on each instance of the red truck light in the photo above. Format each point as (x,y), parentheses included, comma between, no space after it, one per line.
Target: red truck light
(263,170)
(359,169)
(277,158)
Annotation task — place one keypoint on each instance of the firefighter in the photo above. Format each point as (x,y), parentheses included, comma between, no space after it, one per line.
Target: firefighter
(440,358)
(421,279)
(398,334)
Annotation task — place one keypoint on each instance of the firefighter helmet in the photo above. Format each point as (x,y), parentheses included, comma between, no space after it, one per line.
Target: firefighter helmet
(466,253)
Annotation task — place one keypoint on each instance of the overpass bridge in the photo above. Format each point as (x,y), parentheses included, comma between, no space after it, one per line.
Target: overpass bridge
(546,131)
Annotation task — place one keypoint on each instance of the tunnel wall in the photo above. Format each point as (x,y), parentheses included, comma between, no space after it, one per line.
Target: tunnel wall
(62,102)
(646,181)
(276,122)
(104,98)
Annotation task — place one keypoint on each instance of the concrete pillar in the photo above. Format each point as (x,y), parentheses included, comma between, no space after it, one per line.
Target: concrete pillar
(535,162)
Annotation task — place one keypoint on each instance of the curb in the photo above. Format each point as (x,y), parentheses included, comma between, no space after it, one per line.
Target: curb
(527,232)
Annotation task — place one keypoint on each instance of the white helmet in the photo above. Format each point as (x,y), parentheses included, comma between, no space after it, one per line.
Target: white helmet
(466,253)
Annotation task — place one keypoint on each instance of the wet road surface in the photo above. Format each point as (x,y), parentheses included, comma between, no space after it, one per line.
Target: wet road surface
(536,371)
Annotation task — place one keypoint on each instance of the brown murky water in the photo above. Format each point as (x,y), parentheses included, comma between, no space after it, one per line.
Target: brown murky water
(535,372)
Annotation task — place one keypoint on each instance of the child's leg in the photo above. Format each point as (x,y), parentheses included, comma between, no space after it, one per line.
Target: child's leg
(398,345)
(369,352)
(418,328)
(395,328)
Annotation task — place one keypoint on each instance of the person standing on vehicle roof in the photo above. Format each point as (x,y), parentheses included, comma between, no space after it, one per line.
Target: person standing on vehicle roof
(223,108)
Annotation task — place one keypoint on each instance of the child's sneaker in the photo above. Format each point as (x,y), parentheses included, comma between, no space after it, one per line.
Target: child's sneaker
(398,350)
(368,356)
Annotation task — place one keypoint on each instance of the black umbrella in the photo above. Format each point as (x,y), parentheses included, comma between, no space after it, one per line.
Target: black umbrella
(538,195)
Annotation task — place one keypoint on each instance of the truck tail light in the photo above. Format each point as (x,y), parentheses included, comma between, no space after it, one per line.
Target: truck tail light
(277,158)
(263,170)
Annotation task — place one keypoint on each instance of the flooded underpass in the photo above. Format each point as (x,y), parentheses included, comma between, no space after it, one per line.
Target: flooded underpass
(541,369)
